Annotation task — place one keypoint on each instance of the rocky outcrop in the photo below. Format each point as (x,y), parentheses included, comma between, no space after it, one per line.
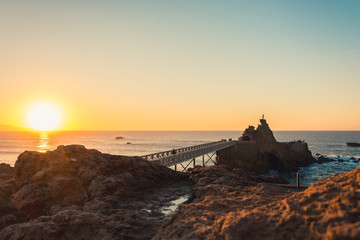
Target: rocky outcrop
(76,193)
(352,144)
(234,204)
(8,214)
(257,150)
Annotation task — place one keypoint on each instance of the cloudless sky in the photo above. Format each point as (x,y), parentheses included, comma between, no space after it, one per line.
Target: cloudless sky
(183,65)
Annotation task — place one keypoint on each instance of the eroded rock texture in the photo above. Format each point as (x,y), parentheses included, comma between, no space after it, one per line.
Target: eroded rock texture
(233,204)
(76,193)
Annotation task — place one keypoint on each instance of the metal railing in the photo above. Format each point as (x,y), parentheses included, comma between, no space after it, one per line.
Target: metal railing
(175,156)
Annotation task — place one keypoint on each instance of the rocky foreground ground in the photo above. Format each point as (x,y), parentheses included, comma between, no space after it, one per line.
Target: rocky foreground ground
(75,193)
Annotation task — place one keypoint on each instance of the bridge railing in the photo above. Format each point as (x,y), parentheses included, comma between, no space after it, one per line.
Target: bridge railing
(155,156)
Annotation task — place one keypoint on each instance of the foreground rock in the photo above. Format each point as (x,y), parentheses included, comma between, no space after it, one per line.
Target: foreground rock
(233,204)
(258,151)
(8,213)
(76,193)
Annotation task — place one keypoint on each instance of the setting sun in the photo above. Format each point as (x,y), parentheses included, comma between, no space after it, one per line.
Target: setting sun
(43,117)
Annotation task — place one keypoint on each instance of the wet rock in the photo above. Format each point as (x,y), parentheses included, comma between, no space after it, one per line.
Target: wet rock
(257,150)
(119,137)
(353,144)
(323,159)
(249,209)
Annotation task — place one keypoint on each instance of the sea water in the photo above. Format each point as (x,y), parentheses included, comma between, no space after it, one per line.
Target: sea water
(137,143)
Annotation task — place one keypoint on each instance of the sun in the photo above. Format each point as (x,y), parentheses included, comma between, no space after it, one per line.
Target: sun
(43,117)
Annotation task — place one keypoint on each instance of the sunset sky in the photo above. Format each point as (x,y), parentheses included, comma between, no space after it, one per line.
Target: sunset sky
(182,65)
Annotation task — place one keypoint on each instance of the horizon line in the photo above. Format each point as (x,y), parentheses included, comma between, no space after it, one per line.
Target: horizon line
(282,130)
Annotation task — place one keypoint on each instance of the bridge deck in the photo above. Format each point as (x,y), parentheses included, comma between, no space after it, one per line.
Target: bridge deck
(180,155)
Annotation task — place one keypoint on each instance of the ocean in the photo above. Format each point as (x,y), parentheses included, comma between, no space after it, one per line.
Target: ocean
(137,143)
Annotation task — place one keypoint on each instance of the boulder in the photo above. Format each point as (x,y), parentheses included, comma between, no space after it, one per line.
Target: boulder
(323,159)
(8,214)
(78,193)
(257,150)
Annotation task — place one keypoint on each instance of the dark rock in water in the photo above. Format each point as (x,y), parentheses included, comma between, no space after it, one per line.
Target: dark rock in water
(323,159)
(233,204)
(318,154)
(85,194)
(128,143)
(352,158)
(352,144)
(257,150)
(119,138)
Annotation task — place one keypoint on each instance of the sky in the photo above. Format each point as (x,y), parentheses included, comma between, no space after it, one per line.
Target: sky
(182,65)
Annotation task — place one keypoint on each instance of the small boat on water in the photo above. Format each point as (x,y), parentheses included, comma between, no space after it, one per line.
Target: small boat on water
(352,144)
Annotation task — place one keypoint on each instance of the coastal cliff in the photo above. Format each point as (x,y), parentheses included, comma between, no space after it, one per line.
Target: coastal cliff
(257,150)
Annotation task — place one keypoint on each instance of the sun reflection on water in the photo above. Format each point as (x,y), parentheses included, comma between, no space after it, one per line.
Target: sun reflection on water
(44,143)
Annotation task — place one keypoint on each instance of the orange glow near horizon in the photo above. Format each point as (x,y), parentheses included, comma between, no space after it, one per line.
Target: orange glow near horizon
(147,66)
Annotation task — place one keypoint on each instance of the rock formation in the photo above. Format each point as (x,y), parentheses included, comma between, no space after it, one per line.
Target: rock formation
(8,214)
(235,204)
(257,150)
(76,193)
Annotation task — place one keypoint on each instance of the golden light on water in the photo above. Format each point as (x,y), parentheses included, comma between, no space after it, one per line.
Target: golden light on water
(44,143)
(43,117)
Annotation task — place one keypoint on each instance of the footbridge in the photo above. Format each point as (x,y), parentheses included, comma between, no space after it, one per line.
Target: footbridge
(189,154)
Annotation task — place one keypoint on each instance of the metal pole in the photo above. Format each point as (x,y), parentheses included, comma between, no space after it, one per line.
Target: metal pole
(297,180)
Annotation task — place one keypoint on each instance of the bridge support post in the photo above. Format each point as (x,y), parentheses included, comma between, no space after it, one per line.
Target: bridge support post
(175,167)
(194,162)
(203,160)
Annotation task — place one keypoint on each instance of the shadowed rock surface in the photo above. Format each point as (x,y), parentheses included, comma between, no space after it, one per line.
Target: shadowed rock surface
(257,150)
(76,193)
(233,204)
(8,213)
